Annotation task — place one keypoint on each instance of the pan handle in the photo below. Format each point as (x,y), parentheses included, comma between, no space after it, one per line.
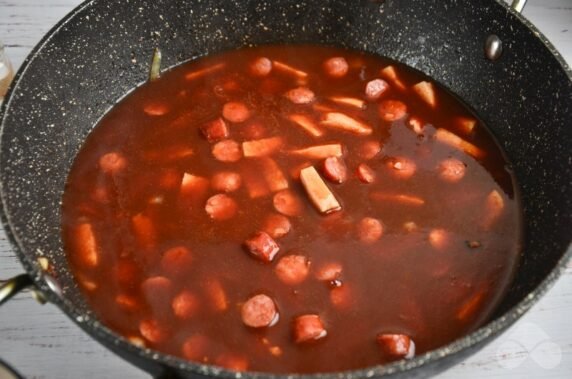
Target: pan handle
(518,5)
(14,285)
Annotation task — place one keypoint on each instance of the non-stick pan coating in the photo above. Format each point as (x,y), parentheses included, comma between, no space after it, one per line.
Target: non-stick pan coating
(102,50)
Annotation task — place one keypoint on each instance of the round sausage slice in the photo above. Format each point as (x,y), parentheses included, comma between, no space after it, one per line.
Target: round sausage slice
(235,111)
(221,207)
(112,163)
(452,170)
(375,88)
(369,230)
(277,225)
(226,181)
(300,95)
(293,269)
(402,167)
(287,203)
(261,66)
(365,173)
(336,67)
(392,110)
(335,169)
(259,312)
(227,151)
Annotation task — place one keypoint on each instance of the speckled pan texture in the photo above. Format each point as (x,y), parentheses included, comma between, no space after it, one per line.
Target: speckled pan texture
(102,50)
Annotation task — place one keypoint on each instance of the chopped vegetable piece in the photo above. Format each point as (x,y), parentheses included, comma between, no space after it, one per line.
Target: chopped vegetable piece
(400,198)
(390,73)
(320,151)
(448,138)
(416,124)
(273,174)
(307,124)
(308,328)
(193,186)
(156,109)
(396,346)
(318,192)
(426,92)
(259,312)
(217,295)
(292,269)
(342,121)
(494,207)
(85,244)
(289,70)
(336,67)
(351,101)
(155,69)
(262,246)
(202,72)
(465,124)
(261,147)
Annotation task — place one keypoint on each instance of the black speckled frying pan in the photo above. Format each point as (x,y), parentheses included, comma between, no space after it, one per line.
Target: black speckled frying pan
(101,50)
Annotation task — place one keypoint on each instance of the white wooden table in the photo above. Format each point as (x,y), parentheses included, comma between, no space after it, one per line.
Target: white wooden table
(41,342)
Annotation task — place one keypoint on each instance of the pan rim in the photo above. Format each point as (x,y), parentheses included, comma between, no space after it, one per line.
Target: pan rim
(91,326)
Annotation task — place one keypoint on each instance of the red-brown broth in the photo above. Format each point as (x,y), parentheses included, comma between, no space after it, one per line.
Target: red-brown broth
(399,284)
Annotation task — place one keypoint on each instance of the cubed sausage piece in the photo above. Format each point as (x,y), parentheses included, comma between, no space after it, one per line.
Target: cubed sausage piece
(293,269)
(176,260)
(396,345)
(227,151)
(375,88)
(277,225)
(329,272)
(215,130)
(262,246)
(153,331)
(112,163)
(438,238)
(235,111)
(335,169)
(287,203)
(226,181)
(365,173)
(308,328)
(232,362)
(300,95)
(336,67)
(259,312)
(369,230)
(221,207)
(261,66)
(452,170)
(369,149)
(185,305)
(195,347)
(392,110)
(402,167)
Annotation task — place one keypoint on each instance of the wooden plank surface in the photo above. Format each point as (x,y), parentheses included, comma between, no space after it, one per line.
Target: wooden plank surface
(42,343)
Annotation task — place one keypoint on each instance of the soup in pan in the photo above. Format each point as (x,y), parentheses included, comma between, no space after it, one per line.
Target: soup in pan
(291,209)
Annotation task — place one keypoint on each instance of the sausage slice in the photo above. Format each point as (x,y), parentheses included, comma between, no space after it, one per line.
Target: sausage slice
(259,312)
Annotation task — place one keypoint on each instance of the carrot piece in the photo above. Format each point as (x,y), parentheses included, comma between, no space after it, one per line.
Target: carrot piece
(193,185)
(465,124)
(342,121)
(217,295)
(426,91)
(261,147)
(390,74)
(401,198)
(455,141)
(351,101)
(323,108)
(273,174)
(86,244)
(319,151)
(144,230)
(318,192)
(306,123)
(289,70)
(204,71)
(494,207)
(469,308)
